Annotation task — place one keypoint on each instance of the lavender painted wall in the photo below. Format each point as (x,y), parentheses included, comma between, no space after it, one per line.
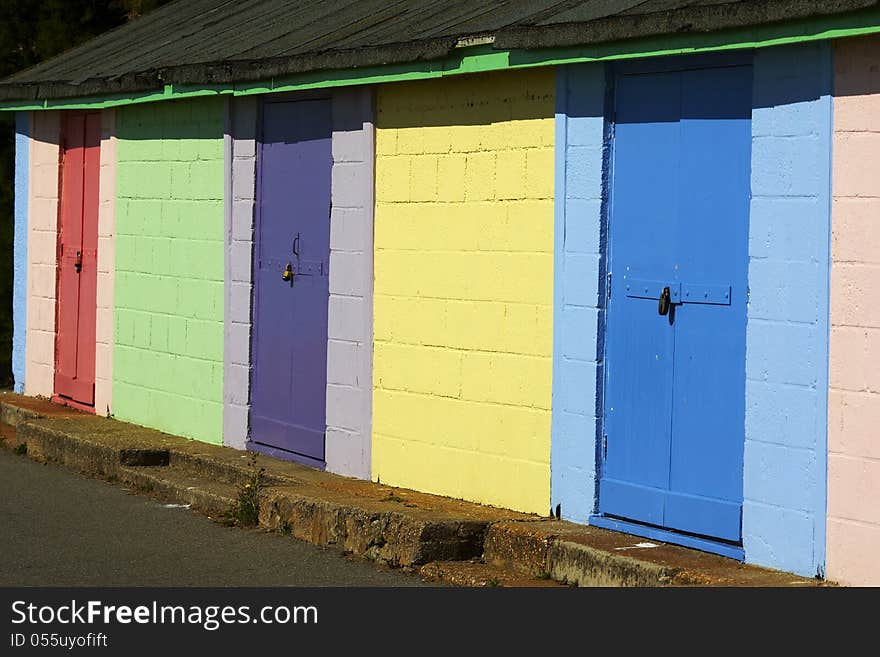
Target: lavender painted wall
(350,321)
(240,166)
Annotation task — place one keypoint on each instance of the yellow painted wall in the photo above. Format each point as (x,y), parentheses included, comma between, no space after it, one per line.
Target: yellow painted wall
(464,287)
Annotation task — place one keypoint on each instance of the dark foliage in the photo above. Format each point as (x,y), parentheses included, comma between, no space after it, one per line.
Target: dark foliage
(30,32)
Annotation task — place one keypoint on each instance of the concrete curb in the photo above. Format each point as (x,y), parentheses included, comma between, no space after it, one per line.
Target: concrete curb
(589,556)
(387,529)
(538,550)
(458,541)
(13,415)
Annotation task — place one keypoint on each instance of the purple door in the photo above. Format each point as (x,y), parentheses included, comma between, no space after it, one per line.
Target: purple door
(291,283)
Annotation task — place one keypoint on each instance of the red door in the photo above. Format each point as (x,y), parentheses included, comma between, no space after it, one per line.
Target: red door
(78,258)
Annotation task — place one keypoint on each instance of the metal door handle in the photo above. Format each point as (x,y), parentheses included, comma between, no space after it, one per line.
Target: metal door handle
(78,263)
(663,304)
(287,274)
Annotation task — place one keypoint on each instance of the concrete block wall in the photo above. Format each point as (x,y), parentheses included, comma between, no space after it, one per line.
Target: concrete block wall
(464,287)
(787,331)
(463,322)
(105,323)
(786,369)
(350,312)
(579,307)
(854,396)
(350,305)
(42,240)
(240,167)
(19,256)
(169,282)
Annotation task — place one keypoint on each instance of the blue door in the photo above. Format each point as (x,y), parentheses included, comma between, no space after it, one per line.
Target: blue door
(676,317)
(291,284)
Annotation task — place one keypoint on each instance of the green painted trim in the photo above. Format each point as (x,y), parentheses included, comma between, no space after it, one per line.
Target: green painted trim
(168,93)
(483,59)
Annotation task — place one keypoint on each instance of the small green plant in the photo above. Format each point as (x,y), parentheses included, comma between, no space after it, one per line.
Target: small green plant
(393,498)
(493,581)
(21,449)
(146,487)
(246,509)
(285,528)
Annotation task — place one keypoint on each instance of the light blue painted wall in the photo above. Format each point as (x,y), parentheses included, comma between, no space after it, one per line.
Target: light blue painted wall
(19,284)
(578,275)
(787,334)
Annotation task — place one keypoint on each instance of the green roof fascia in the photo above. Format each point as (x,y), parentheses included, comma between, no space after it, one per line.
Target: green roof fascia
(483,58)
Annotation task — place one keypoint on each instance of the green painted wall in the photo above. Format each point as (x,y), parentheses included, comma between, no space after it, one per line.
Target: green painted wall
(168,355)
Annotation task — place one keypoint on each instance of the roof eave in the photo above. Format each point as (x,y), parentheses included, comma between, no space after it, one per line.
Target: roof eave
(690,25)
(228,72)
(695,20)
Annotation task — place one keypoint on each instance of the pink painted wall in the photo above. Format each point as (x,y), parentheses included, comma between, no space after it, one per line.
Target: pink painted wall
(42,245)
(854,377)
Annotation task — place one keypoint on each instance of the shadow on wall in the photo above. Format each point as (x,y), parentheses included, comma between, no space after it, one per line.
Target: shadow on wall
(465,100)
(786,90)
(858,74)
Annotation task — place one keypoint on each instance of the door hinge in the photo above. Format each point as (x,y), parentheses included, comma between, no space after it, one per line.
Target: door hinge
(605,447)
(608,285)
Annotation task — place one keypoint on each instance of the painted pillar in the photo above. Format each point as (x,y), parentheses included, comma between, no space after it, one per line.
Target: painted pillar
(106,266)
(578,317)
(169,281)
(20,254)
(240,155)
(350,313)
(464,287)
(787,332)
(854,397)
(42,245)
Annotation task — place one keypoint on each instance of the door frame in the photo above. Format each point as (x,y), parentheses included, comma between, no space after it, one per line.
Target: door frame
(251,444)
(612,70)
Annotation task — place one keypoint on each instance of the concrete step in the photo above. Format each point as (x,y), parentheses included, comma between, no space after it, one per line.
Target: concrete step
(397,528)
(590,556)
(215,499)
(8,437)
(479,574)
(18,408)
(393,526)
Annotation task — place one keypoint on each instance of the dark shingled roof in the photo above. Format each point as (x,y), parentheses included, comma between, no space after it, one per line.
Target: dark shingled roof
(224,41)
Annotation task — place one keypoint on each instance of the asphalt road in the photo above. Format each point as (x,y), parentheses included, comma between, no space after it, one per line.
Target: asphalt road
(58,528)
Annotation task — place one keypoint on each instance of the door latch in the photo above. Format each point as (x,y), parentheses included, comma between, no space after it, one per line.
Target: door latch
(663,304)
(78,263)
